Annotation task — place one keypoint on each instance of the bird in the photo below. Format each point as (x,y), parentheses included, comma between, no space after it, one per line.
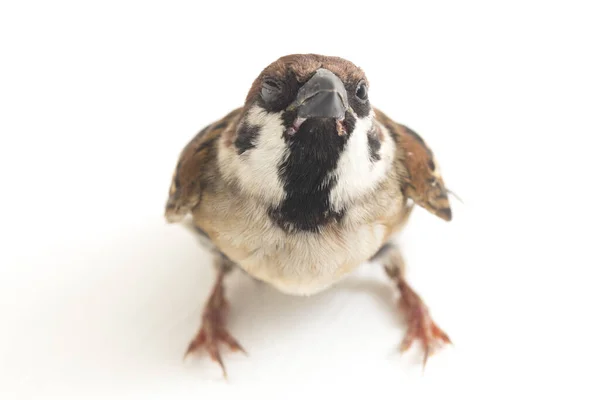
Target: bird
(302,184)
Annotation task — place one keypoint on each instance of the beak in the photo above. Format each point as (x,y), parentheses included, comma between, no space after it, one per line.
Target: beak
(323,96)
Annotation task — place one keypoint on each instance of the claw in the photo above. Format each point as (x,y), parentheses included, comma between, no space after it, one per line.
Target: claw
(425,356)
(405,345)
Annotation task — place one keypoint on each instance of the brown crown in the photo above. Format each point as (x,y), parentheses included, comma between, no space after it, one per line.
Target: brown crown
(303,66)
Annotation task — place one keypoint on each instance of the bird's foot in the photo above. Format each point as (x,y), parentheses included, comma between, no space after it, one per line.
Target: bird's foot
(213,331)
(420,324)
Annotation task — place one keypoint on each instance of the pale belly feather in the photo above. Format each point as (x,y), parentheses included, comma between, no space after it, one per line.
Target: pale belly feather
(308,263)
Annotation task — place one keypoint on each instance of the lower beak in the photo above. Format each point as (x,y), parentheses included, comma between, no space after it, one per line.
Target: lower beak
(323,96)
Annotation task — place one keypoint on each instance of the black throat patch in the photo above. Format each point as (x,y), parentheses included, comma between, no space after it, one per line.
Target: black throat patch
(314,153)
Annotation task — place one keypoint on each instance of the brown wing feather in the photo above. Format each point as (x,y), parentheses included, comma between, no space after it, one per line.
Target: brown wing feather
(196,167)
(422,181)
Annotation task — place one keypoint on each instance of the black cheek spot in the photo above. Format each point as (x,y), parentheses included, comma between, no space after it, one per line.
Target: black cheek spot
(246,138)
(374,147)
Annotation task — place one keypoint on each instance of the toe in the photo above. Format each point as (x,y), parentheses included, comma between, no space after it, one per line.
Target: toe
(440,334)
(195,344)
(408,340)
(233,344)
(215,355)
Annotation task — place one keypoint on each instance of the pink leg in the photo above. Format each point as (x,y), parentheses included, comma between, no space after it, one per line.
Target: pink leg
(213,330)
(420,324)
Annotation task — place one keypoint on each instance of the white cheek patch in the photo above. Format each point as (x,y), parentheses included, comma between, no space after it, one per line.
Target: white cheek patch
(258,169)
(355,172)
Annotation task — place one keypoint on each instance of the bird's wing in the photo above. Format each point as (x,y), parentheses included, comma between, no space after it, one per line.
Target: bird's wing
(422,181)
(196,165)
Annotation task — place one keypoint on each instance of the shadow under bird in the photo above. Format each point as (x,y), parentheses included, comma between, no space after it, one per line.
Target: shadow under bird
(301,185)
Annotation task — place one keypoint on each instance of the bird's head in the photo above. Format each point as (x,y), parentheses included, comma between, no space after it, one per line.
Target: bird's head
(327,93)
(307,129)
(311,95)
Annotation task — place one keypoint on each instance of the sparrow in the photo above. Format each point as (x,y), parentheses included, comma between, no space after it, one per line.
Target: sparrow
(301,185)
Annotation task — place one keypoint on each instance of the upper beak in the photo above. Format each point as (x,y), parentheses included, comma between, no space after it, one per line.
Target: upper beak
(324,95)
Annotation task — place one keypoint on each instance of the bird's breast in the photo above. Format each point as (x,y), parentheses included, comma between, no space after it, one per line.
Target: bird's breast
(300,263)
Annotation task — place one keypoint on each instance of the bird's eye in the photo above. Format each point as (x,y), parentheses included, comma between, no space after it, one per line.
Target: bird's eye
(270,90)
(361,91)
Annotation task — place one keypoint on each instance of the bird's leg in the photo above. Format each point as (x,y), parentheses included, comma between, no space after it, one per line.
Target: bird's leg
(420,325)
(213,330)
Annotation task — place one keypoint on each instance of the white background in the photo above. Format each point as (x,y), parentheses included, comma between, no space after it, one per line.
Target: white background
(99,297)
